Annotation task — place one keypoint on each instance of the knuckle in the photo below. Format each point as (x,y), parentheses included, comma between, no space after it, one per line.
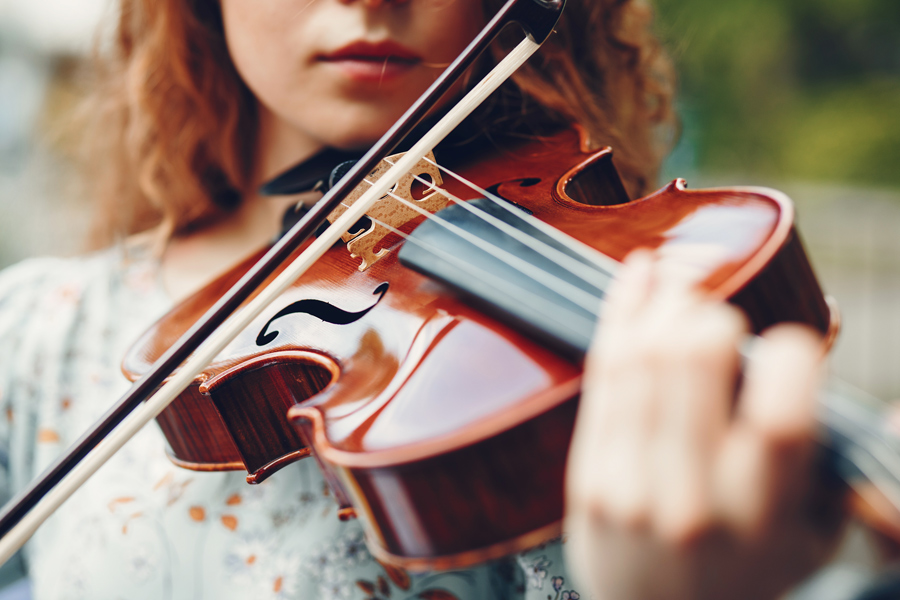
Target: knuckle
(629,516)
(710,334)
(685,530)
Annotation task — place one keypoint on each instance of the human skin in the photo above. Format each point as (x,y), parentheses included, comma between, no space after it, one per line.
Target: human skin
(673,492)
(285,52)
(310,97)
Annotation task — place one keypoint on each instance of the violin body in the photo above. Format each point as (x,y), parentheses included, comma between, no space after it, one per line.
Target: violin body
(442,427)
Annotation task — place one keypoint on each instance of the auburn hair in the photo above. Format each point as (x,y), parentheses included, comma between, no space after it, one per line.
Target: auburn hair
(172,127)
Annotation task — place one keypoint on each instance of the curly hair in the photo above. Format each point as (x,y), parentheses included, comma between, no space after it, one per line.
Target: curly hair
(173,126)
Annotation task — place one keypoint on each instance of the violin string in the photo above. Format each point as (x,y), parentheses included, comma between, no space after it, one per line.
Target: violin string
(548,308)
(601,261)
(583,298)
(573,266)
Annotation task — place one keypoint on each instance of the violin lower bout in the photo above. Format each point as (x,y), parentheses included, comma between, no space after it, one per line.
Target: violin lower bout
(496,497)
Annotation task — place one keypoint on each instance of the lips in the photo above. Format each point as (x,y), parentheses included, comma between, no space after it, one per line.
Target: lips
(373,51)
(372,62)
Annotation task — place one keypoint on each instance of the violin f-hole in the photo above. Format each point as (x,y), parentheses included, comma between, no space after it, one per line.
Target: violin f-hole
(320,309)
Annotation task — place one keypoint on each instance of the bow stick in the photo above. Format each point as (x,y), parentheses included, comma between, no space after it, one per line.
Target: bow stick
(199,346)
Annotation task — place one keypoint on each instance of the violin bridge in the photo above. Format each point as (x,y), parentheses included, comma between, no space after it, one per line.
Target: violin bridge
(393,209)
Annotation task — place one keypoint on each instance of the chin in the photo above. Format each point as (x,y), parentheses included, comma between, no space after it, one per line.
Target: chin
(349,136)
(355,123)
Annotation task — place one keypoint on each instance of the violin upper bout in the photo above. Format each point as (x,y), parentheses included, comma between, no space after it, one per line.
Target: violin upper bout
(594,182)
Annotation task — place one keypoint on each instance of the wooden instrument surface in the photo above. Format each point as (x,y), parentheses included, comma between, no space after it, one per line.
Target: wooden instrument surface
(412,398)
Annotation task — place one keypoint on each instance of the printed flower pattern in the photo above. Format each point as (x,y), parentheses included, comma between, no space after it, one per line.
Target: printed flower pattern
(539,565)
(535,571)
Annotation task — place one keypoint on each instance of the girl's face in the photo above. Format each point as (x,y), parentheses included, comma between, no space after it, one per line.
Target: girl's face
(340,72)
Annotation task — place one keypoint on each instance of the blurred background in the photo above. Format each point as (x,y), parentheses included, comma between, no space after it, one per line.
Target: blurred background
(804,96)
(41,46)
(799,95)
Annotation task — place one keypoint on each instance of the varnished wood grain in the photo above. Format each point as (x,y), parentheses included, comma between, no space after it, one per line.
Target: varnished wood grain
(443,429)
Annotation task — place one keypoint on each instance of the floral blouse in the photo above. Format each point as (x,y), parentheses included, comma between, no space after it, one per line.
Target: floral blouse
(143,528)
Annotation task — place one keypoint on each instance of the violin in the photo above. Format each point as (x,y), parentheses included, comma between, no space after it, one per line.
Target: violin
(431,363)
(433,412)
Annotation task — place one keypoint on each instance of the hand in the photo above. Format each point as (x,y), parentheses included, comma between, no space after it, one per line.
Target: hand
(677,487)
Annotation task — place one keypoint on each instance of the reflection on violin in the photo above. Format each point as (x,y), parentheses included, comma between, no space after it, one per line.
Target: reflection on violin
(451,388)
(443,425)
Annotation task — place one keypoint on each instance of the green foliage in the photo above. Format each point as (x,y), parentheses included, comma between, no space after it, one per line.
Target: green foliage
(791,88)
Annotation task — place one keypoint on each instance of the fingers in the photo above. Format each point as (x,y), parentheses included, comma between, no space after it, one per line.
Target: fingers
(783,375)
(632,287)
(656,442)
(613,411)
(655,404)
(765,462)
(695,417)
(680,470)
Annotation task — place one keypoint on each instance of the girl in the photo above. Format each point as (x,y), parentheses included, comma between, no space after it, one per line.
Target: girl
(198,103)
